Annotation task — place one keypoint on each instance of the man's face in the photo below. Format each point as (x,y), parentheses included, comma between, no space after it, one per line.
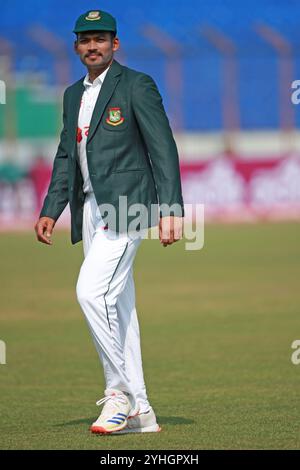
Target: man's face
(96,48)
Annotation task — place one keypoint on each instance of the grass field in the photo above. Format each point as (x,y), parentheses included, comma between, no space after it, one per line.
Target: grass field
(217,327)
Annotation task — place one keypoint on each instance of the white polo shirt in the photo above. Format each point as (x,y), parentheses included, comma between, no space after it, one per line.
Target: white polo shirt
(87,106)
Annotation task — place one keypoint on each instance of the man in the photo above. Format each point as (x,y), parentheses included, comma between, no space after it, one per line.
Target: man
(116,143)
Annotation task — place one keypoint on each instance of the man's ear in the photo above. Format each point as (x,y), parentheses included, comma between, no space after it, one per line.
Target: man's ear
(75,46)
(116,44)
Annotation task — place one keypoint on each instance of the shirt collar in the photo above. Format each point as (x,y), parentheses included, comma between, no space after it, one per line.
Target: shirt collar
(98,81)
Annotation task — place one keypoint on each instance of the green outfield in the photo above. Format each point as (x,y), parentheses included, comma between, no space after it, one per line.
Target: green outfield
(217,327)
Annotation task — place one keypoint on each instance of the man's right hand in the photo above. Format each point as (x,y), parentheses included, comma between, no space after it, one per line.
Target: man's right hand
(43,229)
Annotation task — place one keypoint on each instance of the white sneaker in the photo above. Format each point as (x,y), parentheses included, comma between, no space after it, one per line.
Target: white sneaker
(143,422)
(114,413)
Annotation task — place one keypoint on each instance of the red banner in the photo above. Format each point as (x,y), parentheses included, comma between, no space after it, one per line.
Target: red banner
(244,190)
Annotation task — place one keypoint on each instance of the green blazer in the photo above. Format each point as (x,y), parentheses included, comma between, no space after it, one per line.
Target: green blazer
(130,151)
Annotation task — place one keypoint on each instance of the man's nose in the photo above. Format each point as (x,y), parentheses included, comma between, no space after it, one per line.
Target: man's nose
(92,45)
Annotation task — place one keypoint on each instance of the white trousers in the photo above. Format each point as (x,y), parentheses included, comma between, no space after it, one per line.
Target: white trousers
(105,291)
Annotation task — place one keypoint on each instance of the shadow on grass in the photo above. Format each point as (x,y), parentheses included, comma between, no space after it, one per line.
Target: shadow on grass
(171,420)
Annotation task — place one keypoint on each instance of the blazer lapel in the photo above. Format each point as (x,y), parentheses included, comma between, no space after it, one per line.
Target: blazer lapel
(76,100)
(108,86)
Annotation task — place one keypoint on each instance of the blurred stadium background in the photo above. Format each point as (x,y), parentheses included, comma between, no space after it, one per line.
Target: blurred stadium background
(224,69)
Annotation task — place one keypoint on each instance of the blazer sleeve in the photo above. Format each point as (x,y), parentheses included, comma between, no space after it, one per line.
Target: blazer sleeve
(157,134)
(57,195)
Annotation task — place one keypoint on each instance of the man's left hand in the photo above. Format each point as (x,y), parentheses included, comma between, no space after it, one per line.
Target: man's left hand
(170,230)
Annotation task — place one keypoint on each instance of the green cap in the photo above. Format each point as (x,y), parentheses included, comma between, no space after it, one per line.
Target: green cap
(95,20)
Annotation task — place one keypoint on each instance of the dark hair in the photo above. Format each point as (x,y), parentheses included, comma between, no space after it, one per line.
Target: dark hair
(112,33)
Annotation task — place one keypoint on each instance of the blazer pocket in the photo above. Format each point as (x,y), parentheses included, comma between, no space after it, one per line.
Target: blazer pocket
(128,170)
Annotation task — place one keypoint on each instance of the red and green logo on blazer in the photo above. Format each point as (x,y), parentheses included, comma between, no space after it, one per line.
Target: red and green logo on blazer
(114,117)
